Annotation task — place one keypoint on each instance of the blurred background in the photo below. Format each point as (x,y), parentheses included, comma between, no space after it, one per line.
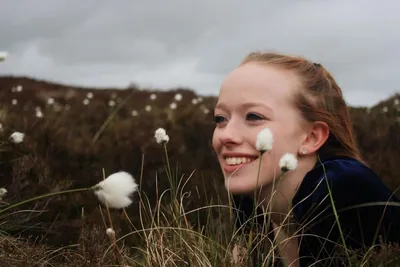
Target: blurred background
(195,44)
(88,83)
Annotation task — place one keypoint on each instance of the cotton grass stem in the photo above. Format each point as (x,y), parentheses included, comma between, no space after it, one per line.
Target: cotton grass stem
(44,196)
(109,119)
(173,183)
(117,251)
(335,211)
(167,159)
(254,212)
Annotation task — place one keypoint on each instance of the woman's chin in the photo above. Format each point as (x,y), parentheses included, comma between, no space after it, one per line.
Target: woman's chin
(235,185)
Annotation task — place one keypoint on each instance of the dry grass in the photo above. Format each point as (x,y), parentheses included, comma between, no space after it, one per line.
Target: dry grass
(192,226)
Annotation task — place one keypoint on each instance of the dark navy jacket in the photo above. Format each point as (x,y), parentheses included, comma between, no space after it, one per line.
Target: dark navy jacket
(351,183)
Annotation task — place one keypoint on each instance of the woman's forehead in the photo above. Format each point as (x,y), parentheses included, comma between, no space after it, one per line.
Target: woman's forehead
(256,82)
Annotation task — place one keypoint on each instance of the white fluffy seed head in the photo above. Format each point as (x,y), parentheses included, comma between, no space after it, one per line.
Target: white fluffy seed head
(17,137)
(111,103)
(265,139)
(3,192)
(3,56)
(288,162)
(110,232)
(161,136)
(173,105)
(116,189)
(39,114)
(178,97)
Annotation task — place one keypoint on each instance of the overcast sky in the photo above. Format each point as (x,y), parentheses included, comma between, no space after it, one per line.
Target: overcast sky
(196,43)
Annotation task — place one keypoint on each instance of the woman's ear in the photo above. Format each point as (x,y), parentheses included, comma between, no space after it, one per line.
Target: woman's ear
(317,136)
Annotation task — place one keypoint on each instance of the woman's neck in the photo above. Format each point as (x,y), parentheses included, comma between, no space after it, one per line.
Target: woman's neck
(283,190)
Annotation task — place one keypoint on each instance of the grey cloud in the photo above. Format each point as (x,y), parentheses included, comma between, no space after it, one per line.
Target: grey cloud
(24,21)
(196,43)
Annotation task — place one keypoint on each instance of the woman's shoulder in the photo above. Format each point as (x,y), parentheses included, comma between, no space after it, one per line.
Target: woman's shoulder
(339,170)
(360,205)
(348,180)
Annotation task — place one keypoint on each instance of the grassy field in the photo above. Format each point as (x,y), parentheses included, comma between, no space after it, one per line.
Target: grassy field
(181,214)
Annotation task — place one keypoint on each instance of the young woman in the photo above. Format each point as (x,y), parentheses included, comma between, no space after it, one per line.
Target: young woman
(302,105)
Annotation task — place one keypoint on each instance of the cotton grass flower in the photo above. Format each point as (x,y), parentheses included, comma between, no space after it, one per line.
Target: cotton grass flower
(173,105)
(50,101)
(19,88)
(148,108)
(89,95)
(396,102)
(264,140)
(178,97)
(3,192)
(39,113)
(111,103)
(288,162)
(86,101)
(153,96)
(385,109)
(134,113)
(14,101)
(195,101)
(3,56)
(161,136)
(110,232)
(17,137)
(116,189)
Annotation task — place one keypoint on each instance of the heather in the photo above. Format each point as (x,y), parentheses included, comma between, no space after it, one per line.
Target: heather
(74,137)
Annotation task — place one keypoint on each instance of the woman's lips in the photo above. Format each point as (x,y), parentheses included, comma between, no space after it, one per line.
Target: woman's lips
(232,168)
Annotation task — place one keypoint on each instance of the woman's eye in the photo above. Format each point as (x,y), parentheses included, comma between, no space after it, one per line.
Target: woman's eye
(218,119)
(253,117)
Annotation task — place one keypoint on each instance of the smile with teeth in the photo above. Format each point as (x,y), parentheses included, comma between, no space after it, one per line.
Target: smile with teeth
(238,160)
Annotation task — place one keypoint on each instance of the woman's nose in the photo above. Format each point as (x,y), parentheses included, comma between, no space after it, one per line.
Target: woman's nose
(230,134)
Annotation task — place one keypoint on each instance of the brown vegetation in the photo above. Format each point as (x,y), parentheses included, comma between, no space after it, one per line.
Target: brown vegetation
(71,145)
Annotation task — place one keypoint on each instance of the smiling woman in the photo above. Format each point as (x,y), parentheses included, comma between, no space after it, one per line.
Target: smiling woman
(303,107)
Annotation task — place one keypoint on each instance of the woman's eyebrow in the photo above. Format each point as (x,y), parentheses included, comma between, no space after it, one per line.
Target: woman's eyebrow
(245,105)
(255,104)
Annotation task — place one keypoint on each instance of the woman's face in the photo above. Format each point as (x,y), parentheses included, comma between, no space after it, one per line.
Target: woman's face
(253,97)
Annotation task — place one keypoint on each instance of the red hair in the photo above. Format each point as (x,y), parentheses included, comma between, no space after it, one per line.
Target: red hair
(320,99)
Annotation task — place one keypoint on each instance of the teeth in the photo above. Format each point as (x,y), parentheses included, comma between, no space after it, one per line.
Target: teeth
(238,160)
